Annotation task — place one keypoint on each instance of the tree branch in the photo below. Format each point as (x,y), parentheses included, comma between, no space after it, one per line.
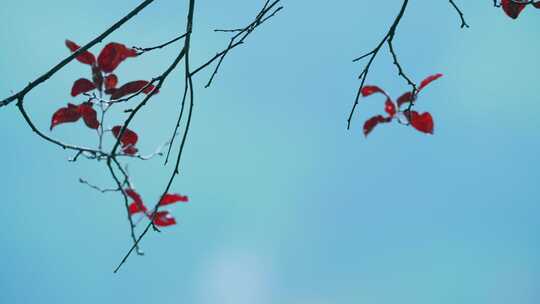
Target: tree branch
(389,37)
(463,22)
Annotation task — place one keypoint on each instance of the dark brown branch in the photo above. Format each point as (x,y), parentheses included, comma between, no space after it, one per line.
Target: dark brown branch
(182,107)
(126,203)
(268,11)
(80,149)
(144,50)
(373,53)
(463,22)
(185,53)
(401,72)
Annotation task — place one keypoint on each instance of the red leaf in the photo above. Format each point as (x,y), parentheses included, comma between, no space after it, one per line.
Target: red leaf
(421,122)
(372,122)
(390,108)
(149,89)
(82,85)
(428,80)
(89,115)
(536,4)
(173,198)
(110,82)
(163,219)
(130,150)
(112,55)
(86,57)
(136,207)
(63,115)
(406,97)
(368,90)
(511,8)
(128,138)
(134,195)
(131,88)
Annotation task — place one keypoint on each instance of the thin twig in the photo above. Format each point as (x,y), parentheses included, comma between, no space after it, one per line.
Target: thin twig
(102,190)
(144,50)
(264,14)
(463,22)
(373,53)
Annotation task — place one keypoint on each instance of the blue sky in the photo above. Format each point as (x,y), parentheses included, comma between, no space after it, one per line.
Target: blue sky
(287,206)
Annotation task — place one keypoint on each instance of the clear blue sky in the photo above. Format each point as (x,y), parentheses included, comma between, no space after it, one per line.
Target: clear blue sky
(286,205)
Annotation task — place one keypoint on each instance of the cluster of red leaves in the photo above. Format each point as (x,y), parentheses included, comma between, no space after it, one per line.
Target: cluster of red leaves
(102,78)
(72,113)
(513,8)
(422,122)
(162,218)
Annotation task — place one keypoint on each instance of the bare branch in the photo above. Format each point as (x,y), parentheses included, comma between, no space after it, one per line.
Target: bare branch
(463,22)
(373,53)
(102,190)
(184,53)
(267,12)
(144,50)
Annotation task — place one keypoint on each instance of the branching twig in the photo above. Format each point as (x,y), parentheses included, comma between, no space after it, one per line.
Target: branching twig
(144,50)
(264,14)
(102,190)
(267,12)
(463,22)
(184,53)
(389,37)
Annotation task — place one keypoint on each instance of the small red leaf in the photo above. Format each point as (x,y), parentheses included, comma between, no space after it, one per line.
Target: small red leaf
(372,122)
(163,219)
(511,8)
(134,195)
(421,122)
(110,82)
(86,57)
(149,89)
(130,150)
(536,4)
(173,198)
(368,90)
(112,55)
(406,97)
(390,107)
(63,115)
(136,207)
(132,88)
(82,85)
(89,115)
(128,138)
(428,80)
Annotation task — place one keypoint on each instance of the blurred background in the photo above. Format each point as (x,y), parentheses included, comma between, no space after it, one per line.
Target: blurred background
(287,206)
